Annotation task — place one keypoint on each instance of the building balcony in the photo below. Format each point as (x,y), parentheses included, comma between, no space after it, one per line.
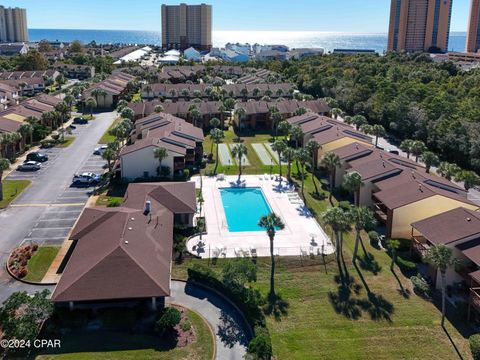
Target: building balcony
(380,211)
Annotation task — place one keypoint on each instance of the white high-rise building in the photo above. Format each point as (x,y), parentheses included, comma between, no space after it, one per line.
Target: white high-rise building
(13,25)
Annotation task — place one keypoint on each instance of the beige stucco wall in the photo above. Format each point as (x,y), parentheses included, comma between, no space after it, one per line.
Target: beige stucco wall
(134,164)
(404,216)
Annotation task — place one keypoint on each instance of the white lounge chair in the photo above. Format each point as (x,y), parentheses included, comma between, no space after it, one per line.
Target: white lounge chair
(246,252)
(238,252)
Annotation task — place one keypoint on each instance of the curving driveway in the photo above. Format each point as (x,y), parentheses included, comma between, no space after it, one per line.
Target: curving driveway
(230,330)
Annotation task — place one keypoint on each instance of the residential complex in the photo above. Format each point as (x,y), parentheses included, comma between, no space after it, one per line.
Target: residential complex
(419,25)
(13,24)
(473,31)
(185,25)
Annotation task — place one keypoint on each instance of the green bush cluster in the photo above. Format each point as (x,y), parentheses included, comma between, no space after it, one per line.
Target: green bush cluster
(420,285)
(169,318)
(474,341)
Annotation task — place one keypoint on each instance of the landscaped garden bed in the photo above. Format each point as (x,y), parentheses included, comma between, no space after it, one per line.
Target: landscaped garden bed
(18,260)
(31,262)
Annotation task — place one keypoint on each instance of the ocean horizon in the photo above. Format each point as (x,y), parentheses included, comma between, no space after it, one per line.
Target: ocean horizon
(293,39)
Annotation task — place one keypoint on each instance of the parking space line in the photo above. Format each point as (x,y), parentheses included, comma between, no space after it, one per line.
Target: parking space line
(52,228)
(47,205)
(57,219)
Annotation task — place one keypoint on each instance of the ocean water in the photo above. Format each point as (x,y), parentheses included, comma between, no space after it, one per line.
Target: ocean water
(293,39)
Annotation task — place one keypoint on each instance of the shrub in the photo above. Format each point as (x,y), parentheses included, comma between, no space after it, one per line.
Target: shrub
(186,174)
(185,325)
(420,285)
(474,341)
(345,205)
(261,344)
(373,236)
(35,247)
(168,320)
(165,171)
(114,203)
(22,272)
(406,265)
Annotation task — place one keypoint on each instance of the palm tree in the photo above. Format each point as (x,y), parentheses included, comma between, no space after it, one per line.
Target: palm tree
(289,155)
(160,153)
(110,155)
(296,134)
(330,161)
(128,113)
(238,152)
(362,218)
(279,147)
(353,182)
(284,128)
(148,88)
(194,114)
(393,245)
(26,130)
(336,112)
(244,93)
(312,147)
(214,122)
(240,112)
(407,146)
(271,223)
(91,103)
(470,179)
(336,218)
(4,165)
(158,109)
(359,121)
(300,111)
(185,93)
(303,156)
(69,100)
(448,170)
(276,117)
(442,258)
(418,147)
(430,159)
(216,135)
(96,93)
(375,130)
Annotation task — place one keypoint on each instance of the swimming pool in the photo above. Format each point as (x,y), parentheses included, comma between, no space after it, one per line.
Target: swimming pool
(243,208)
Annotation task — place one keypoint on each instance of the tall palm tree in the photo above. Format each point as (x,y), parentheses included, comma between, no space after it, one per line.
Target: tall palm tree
(26,130)
(271,223)
(96,93)
(407,146)
(216,135)
(158,109)
(214,122)
(109,155)
(279,147)
(284,128)
(194,114)
(359,121)
(289,155)
(4,165)
(375,130)
(336,218)
(160,153)
(330,161)
(418,147)
(393,246)
(336,112)
(303,157)
(296,134)
(312,147)
(91,103)
(352,182)
(448,170)
(238,152)
(430,159)
(361,218)
(442,258)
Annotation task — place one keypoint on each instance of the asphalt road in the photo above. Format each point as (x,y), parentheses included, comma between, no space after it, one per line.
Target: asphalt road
(46,211)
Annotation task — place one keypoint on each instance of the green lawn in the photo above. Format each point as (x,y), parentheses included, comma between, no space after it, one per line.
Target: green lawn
(127,345)
(66,143)
(40,262)
(107,137)
(11,189)
(105,200)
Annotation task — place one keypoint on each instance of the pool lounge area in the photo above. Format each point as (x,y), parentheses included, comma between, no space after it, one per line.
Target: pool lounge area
(232,211)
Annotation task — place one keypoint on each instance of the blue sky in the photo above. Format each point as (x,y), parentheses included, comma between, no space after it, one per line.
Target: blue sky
(358,16)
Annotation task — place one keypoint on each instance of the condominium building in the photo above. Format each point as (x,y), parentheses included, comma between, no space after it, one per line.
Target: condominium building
(473,33)
(13,25)
(185,26)
(419,25)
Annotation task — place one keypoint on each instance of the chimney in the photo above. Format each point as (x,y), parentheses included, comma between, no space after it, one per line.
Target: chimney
(148,207)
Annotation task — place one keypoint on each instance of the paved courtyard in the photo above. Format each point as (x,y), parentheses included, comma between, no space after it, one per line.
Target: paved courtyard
(302,234)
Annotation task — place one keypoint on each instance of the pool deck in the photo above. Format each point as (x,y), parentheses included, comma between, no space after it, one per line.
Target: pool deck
(302,234)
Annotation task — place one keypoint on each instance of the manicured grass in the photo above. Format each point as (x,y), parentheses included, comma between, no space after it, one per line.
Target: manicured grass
(66,143)
(105,200)
(40,262)
(107,137)
(11,189)
(128,345)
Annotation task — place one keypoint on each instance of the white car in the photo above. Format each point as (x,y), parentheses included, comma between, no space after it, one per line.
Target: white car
(86,178)
(29,166)
(100,150)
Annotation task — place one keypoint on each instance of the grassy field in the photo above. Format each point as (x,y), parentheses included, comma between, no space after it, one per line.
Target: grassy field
(105,200)
(372,314)
(11,189)
(106,137)
(40,262)
(66,143)
(127,345)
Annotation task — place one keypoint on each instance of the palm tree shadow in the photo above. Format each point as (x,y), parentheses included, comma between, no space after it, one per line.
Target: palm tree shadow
(362,278)
(276,306)
(404,292)
(377,307)
(342,301)
(453,343)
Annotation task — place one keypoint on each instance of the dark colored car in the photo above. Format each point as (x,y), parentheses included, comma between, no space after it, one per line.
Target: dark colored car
(36,156)
(80,121)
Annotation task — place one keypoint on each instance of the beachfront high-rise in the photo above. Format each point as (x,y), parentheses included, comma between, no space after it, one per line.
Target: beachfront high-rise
(473,33)
(419,25)
(187,25)
(13,25)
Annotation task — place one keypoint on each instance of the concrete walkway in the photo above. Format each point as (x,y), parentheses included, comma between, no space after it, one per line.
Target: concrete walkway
(263,154)
(231,332)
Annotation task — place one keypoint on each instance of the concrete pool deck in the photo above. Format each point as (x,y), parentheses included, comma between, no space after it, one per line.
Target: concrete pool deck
(302,234)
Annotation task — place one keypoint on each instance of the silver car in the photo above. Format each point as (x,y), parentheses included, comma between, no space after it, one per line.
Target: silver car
(29,166)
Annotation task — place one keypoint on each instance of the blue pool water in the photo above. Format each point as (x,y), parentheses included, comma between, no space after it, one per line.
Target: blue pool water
(243,208)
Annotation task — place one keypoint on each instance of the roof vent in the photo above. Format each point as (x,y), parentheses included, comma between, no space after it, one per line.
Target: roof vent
(469,219)
(383,163)
(420,187)
(413,174)
(148,207)
(126,241)
(130,229)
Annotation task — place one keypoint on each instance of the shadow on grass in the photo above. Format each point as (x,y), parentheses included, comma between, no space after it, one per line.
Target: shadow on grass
(453,343)
(276,306)
(367,262)
(404,292)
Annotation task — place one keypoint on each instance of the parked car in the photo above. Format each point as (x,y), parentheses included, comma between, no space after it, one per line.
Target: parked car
(80,121)
(29,166)
(86,178)
(100,150)
(37,156)
(393,151)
